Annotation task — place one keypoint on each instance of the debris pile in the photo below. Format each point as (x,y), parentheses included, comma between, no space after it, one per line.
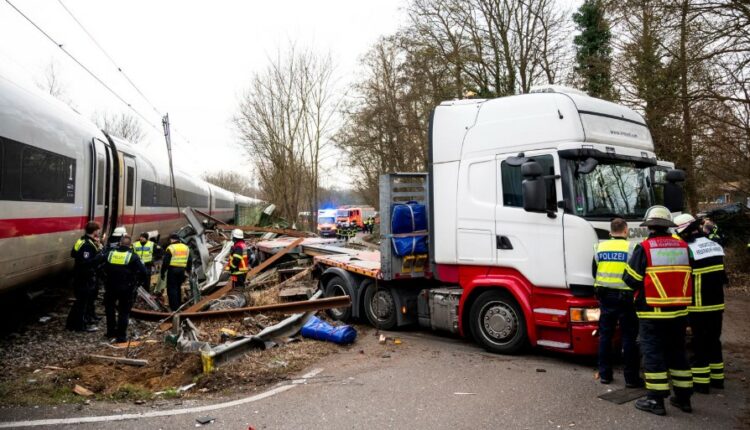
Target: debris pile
(219,339)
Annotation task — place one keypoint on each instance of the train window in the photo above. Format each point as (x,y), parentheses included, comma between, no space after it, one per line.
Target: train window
(130,180)
(46,176)
(100,181)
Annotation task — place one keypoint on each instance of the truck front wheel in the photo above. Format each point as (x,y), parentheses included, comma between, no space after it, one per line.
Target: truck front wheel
(497,322)
(380,307)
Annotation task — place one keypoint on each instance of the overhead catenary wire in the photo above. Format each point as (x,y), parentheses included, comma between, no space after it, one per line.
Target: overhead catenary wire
(83,66)
(109,57)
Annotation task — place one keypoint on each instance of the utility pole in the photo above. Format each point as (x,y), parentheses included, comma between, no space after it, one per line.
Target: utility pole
(168,138)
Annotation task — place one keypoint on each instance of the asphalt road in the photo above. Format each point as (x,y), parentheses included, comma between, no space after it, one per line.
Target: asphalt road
(435,382)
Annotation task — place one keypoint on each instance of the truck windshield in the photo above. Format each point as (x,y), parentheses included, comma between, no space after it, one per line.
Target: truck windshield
(326,220)
(612,189)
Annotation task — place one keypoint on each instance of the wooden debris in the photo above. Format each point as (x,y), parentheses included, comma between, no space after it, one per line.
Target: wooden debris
(119,360)
(81,391)
(221,292)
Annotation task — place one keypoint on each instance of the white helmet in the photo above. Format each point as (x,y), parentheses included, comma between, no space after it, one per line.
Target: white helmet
(119,231)
(683,221)
(237,234)
(658,216)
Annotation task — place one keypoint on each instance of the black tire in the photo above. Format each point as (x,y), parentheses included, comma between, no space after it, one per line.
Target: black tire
(498,323)
(380,307)
(337,286)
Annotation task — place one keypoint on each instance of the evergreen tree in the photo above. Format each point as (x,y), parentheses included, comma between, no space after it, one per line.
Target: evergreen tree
(593,50)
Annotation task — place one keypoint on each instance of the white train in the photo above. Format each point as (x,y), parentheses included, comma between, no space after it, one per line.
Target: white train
(58,171)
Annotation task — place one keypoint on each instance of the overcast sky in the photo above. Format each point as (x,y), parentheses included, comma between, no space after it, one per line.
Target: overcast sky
(191,59)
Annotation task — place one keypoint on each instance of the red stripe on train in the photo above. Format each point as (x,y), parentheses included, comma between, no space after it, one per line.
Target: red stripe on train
(30,226)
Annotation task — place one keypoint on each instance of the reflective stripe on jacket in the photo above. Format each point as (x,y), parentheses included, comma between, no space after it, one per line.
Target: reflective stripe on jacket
(611,260)
(708,275)
(179,253)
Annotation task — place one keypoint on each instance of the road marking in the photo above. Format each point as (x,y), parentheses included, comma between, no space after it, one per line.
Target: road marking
(152,414)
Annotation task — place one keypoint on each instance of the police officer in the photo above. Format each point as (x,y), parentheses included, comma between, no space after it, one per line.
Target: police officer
(706,311)
(145,250)
(616,305)
(124,271)
(111,243)
(87,258)
(659,273)
(177,261)
(238,261)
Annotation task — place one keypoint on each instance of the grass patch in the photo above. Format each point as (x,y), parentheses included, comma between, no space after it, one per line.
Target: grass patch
(130,392)
(22,393)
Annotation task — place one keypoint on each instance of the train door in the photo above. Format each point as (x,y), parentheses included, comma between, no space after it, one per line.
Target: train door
(129,191)
(100,194)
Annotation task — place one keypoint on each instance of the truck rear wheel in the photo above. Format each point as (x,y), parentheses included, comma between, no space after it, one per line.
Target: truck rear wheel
(497,322)
(380,307)
(336,286)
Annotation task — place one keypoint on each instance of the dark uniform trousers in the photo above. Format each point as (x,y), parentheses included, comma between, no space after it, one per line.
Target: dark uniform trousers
(663,346)
(617,306)
(120,299)
(175,278)
(708,362)
(84,287)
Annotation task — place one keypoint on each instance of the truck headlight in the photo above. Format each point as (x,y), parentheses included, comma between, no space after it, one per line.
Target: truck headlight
(584,314)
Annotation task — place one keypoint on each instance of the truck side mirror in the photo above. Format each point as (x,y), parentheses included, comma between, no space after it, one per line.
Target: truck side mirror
(533,187)
(673,194)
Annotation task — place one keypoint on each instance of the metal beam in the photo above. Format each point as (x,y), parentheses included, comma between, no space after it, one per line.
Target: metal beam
(286,308)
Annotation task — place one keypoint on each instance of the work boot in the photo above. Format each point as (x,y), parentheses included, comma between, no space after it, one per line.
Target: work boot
(683,405)
(605,380)
(90,329)
(638,383)
(701,388)
(654,406)
(717,383)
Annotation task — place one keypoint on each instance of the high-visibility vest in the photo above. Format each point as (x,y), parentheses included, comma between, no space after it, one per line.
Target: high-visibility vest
(239,250)
(179,252)
(119,258)
(144,251)
(612,260)
(708,276)
(668,281)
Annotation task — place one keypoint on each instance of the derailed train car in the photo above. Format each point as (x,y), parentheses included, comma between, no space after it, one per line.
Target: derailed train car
(58,171)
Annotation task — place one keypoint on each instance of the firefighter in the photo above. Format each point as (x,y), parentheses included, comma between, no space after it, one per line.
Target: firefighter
(145,250)
(659,273)
(238,261)
(616,305)
(711,230)
(125,271)
(177,262)
(87,255)
(706,312)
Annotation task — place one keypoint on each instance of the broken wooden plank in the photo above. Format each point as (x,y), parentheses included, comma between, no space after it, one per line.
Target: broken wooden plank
(296,277)
(119,360)
(81,391)
(221,292)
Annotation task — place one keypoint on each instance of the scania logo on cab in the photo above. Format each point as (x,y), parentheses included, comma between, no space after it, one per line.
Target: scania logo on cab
(634,232)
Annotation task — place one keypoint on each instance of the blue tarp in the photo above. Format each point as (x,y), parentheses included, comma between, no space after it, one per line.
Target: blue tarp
(317,329)
(410,245)
(408,218)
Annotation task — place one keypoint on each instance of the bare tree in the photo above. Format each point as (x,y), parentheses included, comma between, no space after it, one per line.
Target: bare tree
(53,83)
(285,119)
(122,125)
(231,181)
